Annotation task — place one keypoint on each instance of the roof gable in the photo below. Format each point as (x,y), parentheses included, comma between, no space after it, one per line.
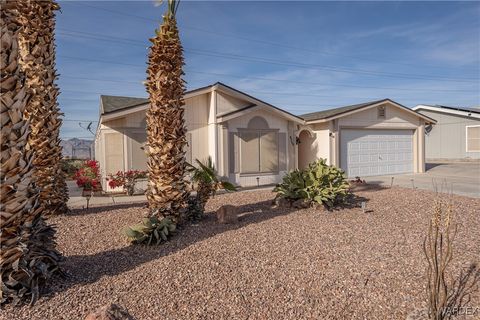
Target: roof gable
(327,115)
(254,103)
(115,103)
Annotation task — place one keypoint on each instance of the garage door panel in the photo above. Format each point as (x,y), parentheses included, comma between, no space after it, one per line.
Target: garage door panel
(376,152)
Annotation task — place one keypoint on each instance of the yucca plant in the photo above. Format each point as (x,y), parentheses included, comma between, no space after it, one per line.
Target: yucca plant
(167,192)
(37,60)
(28,256)
(206,183)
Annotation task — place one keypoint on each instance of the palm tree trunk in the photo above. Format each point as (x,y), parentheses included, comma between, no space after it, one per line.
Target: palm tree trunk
(167,189)
(37,59)
(27,256)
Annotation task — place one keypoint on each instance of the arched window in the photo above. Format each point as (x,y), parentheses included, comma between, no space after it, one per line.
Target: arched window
(259,147)
(257,123)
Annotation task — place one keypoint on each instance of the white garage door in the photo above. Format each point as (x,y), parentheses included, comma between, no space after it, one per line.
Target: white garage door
(366,153)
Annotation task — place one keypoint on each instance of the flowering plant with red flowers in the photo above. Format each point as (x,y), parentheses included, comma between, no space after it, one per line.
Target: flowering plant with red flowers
(126,179)
(88,177)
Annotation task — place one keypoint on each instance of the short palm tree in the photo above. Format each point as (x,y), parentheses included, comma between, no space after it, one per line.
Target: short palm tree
(166,142)
(37,59)
(207,182)
(27,256)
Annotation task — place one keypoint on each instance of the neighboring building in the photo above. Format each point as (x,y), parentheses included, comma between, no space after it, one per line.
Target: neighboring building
(255,143)
(77,148)
(456,136)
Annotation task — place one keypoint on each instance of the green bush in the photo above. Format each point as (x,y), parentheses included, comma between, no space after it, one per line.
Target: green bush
(318,183)
(70,166)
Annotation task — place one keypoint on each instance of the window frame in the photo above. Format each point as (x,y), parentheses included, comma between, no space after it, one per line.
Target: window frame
(259,133)
(466,138)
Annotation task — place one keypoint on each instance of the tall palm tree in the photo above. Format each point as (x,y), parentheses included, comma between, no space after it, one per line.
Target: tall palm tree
(27,256)
(37,58)
(167,189)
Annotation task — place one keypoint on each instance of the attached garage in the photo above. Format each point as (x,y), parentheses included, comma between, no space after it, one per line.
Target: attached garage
(369,139)
(376,152)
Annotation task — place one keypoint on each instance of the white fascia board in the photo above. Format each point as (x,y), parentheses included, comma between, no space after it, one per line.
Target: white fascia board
(449,111)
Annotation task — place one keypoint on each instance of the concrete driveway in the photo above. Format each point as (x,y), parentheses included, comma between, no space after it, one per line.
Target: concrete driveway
(462,178)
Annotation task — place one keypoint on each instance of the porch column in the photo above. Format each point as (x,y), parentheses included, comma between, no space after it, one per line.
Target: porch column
(223,149)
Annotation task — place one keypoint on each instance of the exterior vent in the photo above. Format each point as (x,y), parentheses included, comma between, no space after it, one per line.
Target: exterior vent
(381,112)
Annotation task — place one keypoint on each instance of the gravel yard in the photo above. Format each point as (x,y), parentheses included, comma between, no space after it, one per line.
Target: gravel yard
(273,264)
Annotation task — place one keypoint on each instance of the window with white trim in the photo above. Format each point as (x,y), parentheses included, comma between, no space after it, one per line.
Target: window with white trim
(258,147)
(259,151)
(473,138)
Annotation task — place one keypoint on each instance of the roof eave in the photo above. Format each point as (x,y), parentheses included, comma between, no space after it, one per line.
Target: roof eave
(377,103)
(463,113)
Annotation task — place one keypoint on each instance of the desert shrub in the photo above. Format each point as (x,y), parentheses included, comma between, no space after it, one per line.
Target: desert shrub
(70,167)
(151,231)
(318,183)
(88,175)
(127,180)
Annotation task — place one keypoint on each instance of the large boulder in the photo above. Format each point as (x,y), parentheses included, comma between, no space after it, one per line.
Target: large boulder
(227,214)
(109,312)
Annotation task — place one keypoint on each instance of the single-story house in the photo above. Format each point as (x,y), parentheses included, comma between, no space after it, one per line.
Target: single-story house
(456,136)
(255,143)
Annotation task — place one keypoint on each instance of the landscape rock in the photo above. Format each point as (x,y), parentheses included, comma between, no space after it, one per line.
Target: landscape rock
(282,202)
(227,214)
(302,203)
(109,312)
(418,314)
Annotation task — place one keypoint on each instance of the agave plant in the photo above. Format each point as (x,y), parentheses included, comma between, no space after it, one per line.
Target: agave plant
(37,60)
(319,182)
(151,231)
(28,256)
(167,192)
(207,182)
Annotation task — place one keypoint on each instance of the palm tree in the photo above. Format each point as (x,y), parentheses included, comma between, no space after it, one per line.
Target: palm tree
(28,256)
(167,189)
(37,59)
(207,184)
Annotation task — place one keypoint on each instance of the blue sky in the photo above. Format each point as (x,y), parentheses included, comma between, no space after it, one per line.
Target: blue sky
(301,56)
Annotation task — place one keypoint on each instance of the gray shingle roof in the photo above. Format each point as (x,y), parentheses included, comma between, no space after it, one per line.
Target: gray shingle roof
(336,111)
(116,103)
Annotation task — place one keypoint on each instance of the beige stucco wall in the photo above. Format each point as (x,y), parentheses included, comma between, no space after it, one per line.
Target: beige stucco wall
(132,129)
(314,143)
(206,136)
(196,120)
(327,135)
(395,118)
(226,103)
(274,122)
